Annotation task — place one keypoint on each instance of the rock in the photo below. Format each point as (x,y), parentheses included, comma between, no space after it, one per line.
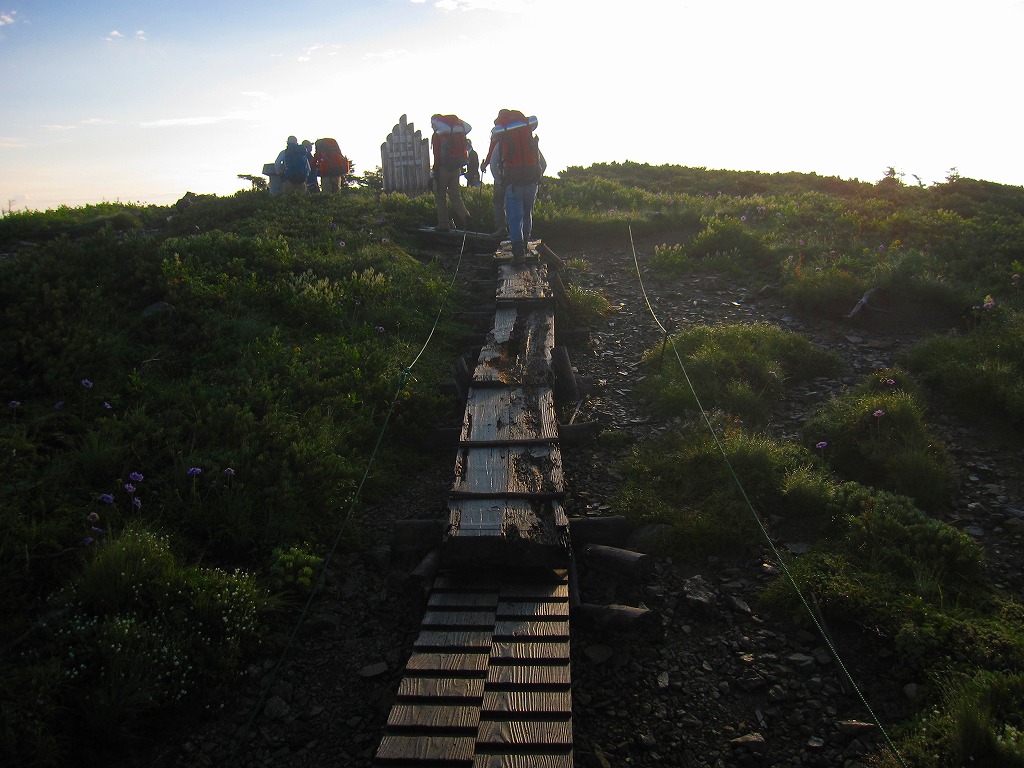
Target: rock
(373,670)
(276,708)
(700,596)
(751,742)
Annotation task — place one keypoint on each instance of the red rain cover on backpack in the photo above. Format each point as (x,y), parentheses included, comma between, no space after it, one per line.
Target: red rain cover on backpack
(519,155)
(329,160)
(449,141)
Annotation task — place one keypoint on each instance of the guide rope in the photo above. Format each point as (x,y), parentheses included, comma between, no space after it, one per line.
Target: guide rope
(757,518)
(403,379)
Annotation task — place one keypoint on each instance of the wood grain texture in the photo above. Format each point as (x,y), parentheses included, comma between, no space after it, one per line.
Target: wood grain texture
(438,748)
(447,716)
(531,760)
(447,662)
(525,733)
(441,688)
(528,674)
(527,702)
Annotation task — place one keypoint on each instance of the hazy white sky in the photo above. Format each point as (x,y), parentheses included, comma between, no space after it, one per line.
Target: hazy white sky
(139,102)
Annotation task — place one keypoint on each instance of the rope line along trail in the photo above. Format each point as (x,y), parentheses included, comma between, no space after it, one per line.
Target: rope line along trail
(757,518)
(404,377)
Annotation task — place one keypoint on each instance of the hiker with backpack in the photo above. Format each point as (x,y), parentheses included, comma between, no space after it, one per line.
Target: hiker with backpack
(332,166)
(293,167)
(451,155)
(472,166)
(312,187)
(522,166)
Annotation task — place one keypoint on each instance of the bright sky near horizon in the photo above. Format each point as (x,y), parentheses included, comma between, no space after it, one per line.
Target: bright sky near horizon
(122,100)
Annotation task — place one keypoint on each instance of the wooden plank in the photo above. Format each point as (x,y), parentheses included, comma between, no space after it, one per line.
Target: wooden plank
(506,415)
(475,517)
(453,639)
(529,282)
(527,702)
(528,674)
(498,470)
(449,618)
(517,353)
(512,629)
(508,609)
(437,748)
(502,649)
(525,733)
(535,591)
(517,760)
(449,716)
(447,662)
(441,688)
(463,600)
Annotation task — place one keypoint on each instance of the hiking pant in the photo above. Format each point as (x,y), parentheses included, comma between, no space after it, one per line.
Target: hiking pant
(446,185)
(330,183)
(519,200)
(294,187)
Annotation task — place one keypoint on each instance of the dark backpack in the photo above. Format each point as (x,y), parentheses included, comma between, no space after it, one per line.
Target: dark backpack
(296,164)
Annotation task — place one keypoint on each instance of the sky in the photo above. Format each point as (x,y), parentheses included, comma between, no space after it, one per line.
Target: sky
(120,100)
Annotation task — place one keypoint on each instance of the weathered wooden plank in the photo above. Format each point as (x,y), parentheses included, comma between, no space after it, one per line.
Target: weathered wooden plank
(519,760)
(517,353)
(526,702)
(497,470)
(524,733)
(509,415)
(453,639)
(462,600)
(433,716)
(535,591)
(441,688)
(503,649)
(425,661)
(466,619)
(528,282)
(479,517)
(436,748)
(528,674)
(508,609)
(512,629)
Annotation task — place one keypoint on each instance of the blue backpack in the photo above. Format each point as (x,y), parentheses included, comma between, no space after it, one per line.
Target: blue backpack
(296,164)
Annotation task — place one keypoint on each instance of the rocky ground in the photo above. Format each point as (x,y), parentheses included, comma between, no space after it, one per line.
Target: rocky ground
(720,683)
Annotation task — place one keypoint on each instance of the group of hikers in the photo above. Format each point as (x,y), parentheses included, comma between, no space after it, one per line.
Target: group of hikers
(516,164)
(299,165)
(513,156)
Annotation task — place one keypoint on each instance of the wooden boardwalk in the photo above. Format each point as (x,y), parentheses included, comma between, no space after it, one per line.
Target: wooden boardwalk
(488,684)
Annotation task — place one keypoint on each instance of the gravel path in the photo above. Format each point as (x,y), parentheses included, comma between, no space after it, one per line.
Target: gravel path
(718,684)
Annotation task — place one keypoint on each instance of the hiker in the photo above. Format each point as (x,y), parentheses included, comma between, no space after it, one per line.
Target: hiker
(472,166)
(311,184)
(450,157)
(331,165)
(493,159)
(292,166)
(522,166)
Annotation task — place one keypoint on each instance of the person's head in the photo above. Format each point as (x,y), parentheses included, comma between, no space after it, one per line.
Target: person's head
(307,144)
(292,140)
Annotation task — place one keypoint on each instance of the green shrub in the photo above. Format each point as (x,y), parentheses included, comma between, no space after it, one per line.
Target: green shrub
(876,434)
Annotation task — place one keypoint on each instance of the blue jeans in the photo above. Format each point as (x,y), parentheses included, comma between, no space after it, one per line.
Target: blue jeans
(519,200)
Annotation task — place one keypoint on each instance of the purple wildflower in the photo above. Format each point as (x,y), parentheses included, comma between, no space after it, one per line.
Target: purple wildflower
(86,383)
(879,413)
(821,445)
(93,517)
(137,502)
(14,403)
(107,405)
(229,472)
(58,405)
(129,488)
(379,328)
(107,498)
(135,477)
(195,472)
(88,540)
